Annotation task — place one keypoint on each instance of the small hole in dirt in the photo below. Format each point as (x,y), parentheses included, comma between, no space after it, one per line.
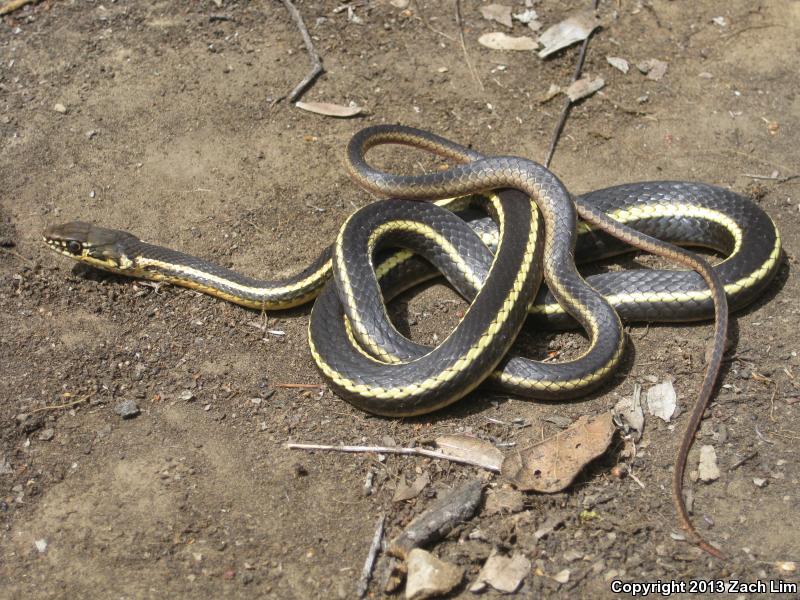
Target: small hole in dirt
(537,473)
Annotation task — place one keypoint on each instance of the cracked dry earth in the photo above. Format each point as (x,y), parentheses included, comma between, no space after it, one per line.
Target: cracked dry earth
(169,130)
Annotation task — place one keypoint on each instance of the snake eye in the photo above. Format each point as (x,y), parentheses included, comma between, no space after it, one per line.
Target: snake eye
(74,247)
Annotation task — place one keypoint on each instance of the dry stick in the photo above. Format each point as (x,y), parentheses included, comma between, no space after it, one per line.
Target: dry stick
(67,405)
(464,45)
(366,572)
(13,5)
(316,63)
(302,386)
(394,450)
(18,255)
(567,102)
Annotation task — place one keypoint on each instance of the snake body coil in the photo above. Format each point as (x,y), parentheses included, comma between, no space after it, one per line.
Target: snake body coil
(497,264)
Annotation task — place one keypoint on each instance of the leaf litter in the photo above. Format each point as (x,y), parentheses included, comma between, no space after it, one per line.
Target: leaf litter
(551,465)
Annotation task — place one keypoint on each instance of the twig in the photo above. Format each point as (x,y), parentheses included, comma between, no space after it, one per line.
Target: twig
(464,45)
(316,63)
(13,5)
(67,405)
(743,460)
(777,178)
(567,102)
(366,572)
(302,386)
(394,450)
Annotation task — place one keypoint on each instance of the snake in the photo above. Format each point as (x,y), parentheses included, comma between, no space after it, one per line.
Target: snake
(507,235)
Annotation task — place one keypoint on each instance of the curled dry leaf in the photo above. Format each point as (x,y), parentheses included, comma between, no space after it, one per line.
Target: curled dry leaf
(471,448)
(497,40)
(499,13)
(551,465)
(329,110)
(629,414)
(584,87)
(573,29)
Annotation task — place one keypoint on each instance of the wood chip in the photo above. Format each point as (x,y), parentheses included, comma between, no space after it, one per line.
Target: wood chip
(497,40)
(329,110)
(551,465)
(471,448)
(569,31)
(497,12)
(444,514)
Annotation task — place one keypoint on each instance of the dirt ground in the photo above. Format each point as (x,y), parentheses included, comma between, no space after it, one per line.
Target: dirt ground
(169,131)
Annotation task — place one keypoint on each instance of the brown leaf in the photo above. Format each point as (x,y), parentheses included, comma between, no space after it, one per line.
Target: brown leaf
(552,464)
(329,110)
(471,448)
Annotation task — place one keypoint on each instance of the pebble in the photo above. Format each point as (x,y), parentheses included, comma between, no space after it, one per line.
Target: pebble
(41,545)
(47,434)
(127,409)
(60,108)
(502,573)
(428,576)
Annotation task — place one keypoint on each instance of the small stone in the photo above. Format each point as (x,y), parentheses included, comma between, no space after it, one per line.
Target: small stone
(47,434)
(186,395)
(759,482)
(60,108)
(90,134)
(41,545)
(127,409)
(428,576)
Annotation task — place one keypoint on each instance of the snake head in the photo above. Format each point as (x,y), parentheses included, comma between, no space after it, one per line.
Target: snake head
(100,247)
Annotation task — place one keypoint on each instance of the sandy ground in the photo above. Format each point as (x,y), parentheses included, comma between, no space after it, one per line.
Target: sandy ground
(170,131)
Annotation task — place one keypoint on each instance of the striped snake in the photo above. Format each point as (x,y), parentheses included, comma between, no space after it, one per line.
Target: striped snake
(495,247)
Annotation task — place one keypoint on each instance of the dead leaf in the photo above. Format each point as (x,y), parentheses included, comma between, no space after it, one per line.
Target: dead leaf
(405,491)
(471,448)
(584,87)
(572,29)
(499,13)
(329,110)
(551,465)
(662,400)
(629,414)
(497,40)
